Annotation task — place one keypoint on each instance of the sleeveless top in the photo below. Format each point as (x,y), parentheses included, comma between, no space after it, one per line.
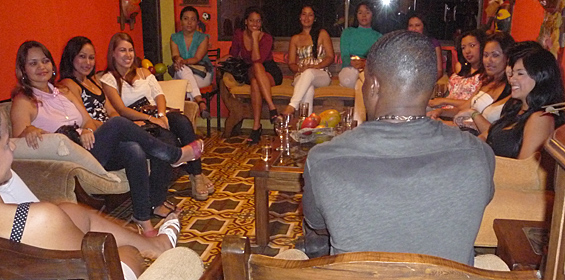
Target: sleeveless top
(143,87)
(463,88)
(492,112)
(306,57)
(93,103)
(480,101)
(54,110)
(504,141)
(190,51)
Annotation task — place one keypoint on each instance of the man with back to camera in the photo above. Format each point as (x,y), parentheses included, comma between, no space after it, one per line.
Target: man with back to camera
(401,182)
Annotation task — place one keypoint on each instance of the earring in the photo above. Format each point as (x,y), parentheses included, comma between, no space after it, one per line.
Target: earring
(54,74)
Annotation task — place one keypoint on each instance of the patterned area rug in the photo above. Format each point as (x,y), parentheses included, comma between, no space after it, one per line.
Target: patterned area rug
(230,210)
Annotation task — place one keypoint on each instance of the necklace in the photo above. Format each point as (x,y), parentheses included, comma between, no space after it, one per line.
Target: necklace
(56,94)
(400,118)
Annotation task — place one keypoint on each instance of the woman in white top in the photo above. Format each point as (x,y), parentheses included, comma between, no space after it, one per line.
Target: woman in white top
(125,84)
(494,90)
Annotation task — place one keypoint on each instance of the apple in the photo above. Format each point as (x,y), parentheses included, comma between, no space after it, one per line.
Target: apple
(152,70)
(318,118)
(160,68)
(309,122)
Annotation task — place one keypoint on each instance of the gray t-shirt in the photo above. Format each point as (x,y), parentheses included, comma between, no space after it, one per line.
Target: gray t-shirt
(416,187)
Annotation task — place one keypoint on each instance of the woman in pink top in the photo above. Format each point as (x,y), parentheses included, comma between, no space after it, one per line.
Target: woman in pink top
(254,46)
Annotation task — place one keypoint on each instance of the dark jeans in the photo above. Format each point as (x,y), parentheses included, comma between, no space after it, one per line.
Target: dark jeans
(181,128)
(120,143)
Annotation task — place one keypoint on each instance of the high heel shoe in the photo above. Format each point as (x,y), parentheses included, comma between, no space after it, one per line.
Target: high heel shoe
(197,148)
(168,228)
(273,115)
(255,136)
(199,190)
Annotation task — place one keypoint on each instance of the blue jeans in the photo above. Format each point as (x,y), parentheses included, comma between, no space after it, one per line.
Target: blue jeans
(119,144)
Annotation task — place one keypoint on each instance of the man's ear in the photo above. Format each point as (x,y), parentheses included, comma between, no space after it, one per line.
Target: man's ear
(370,95)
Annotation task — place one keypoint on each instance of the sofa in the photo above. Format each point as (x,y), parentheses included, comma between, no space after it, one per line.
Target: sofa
(60,170)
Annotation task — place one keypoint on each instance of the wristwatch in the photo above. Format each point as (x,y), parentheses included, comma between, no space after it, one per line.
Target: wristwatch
(160,115)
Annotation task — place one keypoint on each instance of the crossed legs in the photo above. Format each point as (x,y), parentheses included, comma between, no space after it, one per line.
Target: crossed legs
(261,83)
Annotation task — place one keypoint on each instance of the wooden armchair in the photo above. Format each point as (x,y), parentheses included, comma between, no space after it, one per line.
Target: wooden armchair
(239,263)
(98,259)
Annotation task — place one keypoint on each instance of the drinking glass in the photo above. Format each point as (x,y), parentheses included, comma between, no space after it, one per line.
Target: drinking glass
(266,147)
(348,118)
(303,109)
(281,128)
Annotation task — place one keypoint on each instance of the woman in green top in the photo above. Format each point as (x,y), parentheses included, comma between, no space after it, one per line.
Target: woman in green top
(189,50)
(355,44)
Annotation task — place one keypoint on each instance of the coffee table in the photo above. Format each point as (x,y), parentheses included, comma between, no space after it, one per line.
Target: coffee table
(283,172)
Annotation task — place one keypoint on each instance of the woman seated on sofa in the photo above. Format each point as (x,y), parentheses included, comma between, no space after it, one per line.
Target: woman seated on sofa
(310,54)
(355,43)
(525,125)
(417,23)
(148,190)
(255,47)
(189,48)
(485,106)
(24,219)
(467,77)
(125,84)
(38,107)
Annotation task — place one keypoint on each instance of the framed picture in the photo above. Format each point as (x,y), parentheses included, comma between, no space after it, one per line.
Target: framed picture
(230,14)
(195,3)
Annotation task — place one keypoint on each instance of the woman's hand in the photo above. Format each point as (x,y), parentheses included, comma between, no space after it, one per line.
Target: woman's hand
(255,35)
(178,63)
(358,64)
(32,134)
(87,138)
(434,114)
(465,113)
(436,102)
(162,121)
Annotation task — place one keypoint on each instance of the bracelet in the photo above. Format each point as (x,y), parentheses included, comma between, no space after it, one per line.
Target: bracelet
(89,129)
(474,114)
(149,119)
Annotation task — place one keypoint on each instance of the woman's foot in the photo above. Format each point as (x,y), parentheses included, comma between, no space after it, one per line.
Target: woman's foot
(190,152)
(255,136)
(289,110)
(199,188)
(145,228)
(163,210)
(273,115)
(165,239)
(209,184)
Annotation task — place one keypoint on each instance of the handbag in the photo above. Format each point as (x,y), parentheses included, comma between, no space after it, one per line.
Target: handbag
(199,69)
(142,105)
(237,67)
(71,132)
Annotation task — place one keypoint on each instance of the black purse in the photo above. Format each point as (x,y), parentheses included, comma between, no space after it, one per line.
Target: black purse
(237,67)
(142,105)
(71,132)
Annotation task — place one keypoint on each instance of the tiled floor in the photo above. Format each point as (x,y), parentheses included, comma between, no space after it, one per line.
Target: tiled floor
(230,210)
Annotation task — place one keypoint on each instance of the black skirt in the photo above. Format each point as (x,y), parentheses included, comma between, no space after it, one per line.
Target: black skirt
(272,68)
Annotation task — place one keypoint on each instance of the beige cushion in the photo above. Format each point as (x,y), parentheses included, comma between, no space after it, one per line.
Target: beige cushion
(175,93)
(55,146)
(178,263)
(520,174)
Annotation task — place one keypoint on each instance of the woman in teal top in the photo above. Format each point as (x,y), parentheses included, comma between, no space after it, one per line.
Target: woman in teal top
(189,50)
(355,44)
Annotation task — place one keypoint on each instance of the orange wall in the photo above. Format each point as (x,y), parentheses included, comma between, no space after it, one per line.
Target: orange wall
(53,23)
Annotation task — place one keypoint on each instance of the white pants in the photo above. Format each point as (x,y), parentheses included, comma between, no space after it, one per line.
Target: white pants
(16,191)
(348,77)
(195,82)
(305,84)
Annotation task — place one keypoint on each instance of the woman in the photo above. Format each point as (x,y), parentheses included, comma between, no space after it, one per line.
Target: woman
(417,23)
(124,84)
(255,46)
(38,107)
(525,126)
(189,48)
(467,79)
(310,54)
(485,106)
(77,75)
(355,43)
(67,222)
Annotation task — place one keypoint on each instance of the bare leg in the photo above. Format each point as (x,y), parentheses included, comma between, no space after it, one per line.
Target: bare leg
(265,82)
(131,256)
(256,103)
(87,219)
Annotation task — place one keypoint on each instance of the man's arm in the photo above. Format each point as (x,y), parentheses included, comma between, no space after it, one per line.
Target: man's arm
(312,214)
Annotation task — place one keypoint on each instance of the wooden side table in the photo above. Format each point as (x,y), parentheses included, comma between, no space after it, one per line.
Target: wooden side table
(513,245)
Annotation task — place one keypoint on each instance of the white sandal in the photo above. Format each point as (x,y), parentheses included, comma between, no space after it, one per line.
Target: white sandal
(167,228)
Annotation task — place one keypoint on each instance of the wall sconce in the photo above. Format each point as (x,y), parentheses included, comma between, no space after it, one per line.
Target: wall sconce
(128,11)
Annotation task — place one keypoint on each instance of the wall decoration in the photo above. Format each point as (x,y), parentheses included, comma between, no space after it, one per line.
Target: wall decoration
(550,35)
(195,3)
(128,11)
(230,14)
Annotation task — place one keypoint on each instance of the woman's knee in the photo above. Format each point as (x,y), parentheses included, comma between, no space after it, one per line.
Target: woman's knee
(348,77)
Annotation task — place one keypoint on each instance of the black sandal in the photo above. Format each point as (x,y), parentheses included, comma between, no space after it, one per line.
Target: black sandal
(255,136)
(205,114)
(273,115)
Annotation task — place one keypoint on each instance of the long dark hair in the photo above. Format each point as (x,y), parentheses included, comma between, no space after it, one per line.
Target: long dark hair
(465,66)
(369,6)
(543,68)
(250,10)
(24,86)
(120,36)
(72,49)
(315,30)
(506,42)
